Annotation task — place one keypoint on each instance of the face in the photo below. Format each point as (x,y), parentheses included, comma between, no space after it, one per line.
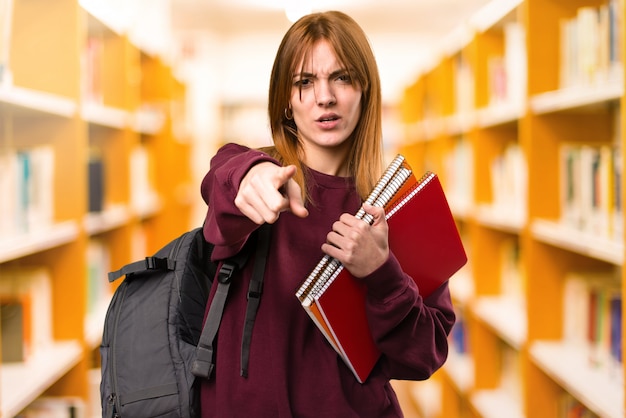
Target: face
(326,104)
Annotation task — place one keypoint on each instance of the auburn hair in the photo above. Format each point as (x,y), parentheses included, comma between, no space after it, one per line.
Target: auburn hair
(354,52)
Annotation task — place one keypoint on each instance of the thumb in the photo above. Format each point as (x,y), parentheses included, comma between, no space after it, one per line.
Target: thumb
(377,213)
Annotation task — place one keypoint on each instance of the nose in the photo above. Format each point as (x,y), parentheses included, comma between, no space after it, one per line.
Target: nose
(324,94)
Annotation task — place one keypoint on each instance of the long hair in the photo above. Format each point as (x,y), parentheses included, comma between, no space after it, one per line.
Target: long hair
(353,51)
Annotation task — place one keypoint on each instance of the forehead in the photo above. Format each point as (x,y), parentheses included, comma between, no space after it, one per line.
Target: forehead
(319,58)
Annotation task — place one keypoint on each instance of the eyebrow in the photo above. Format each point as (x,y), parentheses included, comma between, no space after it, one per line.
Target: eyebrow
(333,74)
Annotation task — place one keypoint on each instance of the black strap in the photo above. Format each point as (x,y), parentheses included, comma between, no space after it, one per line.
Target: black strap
(204,363)
(149,263)
(254,294)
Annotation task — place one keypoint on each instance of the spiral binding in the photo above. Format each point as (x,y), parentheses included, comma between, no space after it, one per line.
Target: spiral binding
(328,262)
(334,266)
(392,188)
(426,178)
(329,268)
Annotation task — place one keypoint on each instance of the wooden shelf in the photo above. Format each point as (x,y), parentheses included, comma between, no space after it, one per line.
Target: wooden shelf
(500,219)
(491,403)
(576,98)
(22,383)
(86,98)
(113,217)
(457,124)
(590,245)
(462,287)
(37,241)
(569,366)
(500,117)
(460,370)
(105,116)
(23,100)
(148,121)
(505,315)
(500,114)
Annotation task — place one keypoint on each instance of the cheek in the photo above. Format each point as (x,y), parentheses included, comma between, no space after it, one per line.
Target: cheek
(298,113)
(300,105)
(356,99)
(356,108)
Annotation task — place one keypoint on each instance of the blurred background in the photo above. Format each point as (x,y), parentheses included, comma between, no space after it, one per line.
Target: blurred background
(227,48)
(110,111)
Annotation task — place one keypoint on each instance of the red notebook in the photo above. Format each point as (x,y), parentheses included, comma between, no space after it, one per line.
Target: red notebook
(423,237)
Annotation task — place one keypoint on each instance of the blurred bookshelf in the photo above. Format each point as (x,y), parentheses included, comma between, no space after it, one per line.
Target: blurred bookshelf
(96,169)
(522,118)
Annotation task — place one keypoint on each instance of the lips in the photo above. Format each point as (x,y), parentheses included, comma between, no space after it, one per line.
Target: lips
(330,117)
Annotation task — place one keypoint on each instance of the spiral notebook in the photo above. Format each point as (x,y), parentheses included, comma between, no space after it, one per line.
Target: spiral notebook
(423,237)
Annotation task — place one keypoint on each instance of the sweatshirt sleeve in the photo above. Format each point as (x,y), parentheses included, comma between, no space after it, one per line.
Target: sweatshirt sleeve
(410,331)
(225,226)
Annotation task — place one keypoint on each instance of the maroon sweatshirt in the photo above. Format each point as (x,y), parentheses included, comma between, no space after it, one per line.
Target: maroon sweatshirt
(293,370)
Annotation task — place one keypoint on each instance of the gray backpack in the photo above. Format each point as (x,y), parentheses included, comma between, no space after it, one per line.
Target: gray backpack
(155,347)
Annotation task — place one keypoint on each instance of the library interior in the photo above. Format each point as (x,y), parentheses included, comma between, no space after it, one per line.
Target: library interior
(110,111)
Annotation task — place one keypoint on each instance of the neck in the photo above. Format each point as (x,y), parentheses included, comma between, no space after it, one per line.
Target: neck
(331,161)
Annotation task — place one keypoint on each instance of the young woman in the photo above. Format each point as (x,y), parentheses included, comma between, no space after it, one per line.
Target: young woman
(325,116)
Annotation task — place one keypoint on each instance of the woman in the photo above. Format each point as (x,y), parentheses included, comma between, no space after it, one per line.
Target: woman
(325,116)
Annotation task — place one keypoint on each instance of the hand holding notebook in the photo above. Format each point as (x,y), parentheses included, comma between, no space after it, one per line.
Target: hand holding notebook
(422,236)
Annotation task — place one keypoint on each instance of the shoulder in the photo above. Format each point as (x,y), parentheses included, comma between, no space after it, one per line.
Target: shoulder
(236,154)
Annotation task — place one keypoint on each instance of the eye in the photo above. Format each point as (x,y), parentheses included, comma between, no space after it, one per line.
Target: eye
(303,82)
(344,78)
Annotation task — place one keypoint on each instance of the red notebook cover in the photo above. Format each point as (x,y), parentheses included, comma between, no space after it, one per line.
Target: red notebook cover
(424,238)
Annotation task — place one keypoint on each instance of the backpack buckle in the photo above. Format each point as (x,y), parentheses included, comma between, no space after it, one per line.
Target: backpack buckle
(255,289)
(203,365)
(226,272)
(156,263)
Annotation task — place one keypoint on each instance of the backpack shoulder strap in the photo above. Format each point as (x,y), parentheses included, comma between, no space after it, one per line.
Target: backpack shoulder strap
(204,364)
(254,294)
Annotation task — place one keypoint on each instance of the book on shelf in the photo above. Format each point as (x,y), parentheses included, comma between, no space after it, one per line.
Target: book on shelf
(98,266)
(512,274)
(93,62)
(590,45)
(144,197)
(27,187)
(96,191)
(515,62)
(507,73)
(458,172)
(511,372)
(509,182)
(424,238)
(616,210)
(458,338)
(31,290)
(592,312)
(590,186)
(14,325)
(570,407)
(464,94)
(497,80)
